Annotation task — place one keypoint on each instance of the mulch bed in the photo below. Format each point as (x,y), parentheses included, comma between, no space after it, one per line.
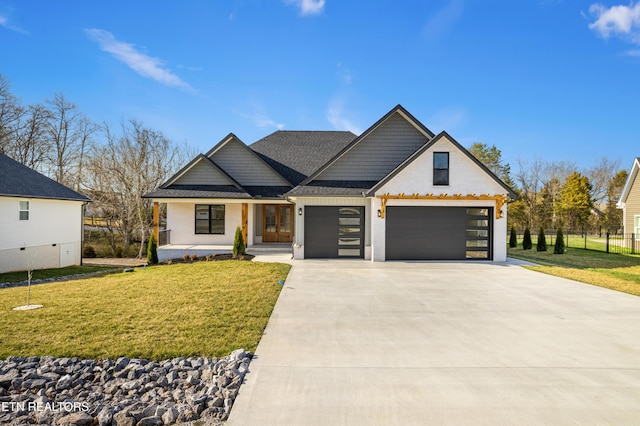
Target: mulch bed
(209,258)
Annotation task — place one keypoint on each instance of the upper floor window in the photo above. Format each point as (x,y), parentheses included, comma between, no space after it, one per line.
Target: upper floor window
(24,210)
(441,168)
(209,219)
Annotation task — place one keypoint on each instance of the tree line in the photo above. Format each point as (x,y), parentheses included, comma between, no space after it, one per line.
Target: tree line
(559,194)
(112,165)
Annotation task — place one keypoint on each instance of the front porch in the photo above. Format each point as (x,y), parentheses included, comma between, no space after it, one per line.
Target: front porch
(177,251)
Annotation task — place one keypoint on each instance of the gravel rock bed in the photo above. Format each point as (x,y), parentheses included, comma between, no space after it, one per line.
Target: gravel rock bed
(121,392)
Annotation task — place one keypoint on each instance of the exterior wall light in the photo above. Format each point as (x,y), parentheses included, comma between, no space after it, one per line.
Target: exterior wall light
(300,211)
(379,213)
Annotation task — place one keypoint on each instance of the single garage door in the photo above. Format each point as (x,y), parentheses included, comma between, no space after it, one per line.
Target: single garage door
(438,233)
(332,232)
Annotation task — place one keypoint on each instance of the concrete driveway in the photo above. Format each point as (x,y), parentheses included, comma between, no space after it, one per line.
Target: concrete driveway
(361,343)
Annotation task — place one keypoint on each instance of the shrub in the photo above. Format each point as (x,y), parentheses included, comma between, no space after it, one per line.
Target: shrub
(119,252)
(152,250)
(513,239)
(542,241)
(559,247)
(194,257)
(89,252)
(185,257)
(526,242)
(239,248)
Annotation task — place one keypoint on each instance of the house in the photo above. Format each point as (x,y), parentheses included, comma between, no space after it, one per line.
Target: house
(395,192)
(40,220)
(630,205)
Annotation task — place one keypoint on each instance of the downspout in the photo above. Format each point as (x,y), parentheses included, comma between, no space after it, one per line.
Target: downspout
(82,213)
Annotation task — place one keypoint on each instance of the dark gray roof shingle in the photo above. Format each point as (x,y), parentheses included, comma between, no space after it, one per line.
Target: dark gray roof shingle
(298,154)
(18,180)
(198,191)
(337,188)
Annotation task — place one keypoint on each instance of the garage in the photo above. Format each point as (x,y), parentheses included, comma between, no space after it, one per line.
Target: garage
(438,233)
(334,232)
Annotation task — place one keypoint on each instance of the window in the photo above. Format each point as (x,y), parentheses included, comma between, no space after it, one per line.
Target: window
(209,219)
(441,168)
(24,210)
(636,226)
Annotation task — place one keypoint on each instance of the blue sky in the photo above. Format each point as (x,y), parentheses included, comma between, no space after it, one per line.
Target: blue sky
(552,79)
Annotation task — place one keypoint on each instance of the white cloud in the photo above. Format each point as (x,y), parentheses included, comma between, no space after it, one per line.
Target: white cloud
(308,7)
(4,22)
(345,75)
(335,115)
(261,119)
(141,63)
(443,19)
(621,21)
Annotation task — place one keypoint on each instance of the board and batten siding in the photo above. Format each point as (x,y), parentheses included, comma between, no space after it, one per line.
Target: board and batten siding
(202,173)
(245,167)
(378,153)
(51,238)
(632,206)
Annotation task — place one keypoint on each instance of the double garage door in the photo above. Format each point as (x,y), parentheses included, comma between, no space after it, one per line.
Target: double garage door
(412,233)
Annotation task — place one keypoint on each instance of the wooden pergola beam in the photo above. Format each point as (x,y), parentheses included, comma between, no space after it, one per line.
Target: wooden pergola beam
(499,199)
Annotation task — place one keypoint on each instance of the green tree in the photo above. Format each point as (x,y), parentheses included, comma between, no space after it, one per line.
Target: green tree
(559,246)
(526,241)
(239,248)
(513,238)
(491,157)
(542,241)
(152,250)
(575,202)
(612,214)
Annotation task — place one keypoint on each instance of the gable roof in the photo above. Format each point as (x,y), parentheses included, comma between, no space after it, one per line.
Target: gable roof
(18,180)
(244,164)
(297,154)
(630,181)
(398,109)
(428,145)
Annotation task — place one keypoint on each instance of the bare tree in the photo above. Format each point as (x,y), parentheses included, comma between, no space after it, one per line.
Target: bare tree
(30,143)
(600,176)
(68,132)
(127,166)
(10,113)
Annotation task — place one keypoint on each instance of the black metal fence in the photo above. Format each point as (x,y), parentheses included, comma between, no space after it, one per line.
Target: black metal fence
(164,237)
(605,242)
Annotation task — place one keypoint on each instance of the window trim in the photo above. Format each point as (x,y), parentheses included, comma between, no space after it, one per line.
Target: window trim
(636,226)
(22,210)
(210,220)
(437,179)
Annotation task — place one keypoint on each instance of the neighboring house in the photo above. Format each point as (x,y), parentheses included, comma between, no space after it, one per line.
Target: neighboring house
(395,192)
(630,204)
(40,220)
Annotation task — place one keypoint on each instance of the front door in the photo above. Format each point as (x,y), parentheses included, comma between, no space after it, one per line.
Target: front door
(277,223)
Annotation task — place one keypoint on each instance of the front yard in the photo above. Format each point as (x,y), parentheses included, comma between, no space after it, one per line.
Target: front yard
(614,271)
(199,309)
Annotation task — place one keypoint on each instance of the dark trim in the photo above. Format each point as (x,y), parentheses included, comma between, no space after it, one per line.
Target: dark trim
(195,219)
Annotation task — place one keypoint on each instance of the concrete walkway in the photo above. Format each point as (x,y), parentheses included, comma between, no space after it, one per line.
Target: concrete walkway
(361,343)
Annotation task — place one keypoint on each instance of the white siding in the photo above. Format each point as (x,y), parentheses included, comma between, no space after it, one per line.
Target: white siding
(52,224)
(181,222)
(465,177)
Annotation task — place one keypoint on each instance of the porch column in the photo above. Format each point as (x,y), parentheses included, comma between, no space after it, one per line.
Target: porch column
(156,221)
(245,223)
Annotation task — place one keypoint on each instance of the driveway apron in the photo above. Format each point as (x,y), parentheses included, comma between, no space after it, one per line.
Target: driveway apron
(411,343)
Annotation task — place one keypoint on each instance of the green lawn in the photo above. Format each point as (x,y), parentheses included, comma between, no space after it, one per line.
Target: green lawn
(614,271)
(199,309)
(11,277)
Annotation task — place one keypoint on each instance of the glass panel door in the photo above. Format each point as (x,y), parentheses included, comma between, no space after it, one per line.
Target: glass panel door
(284,223)
(277,223)
(270,230)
